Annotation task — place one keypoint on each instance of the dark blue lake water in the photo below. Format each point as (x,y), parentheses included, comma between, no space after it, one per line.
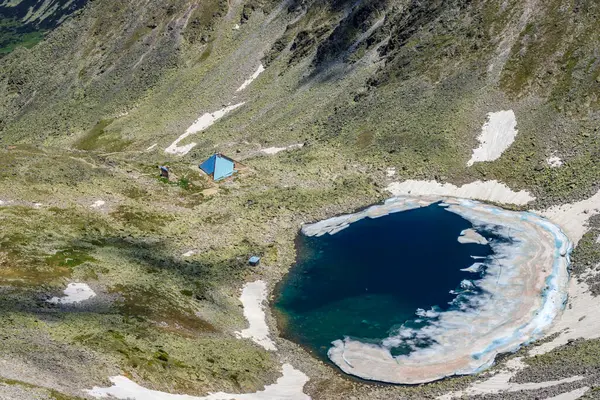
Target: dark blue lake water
(373,276)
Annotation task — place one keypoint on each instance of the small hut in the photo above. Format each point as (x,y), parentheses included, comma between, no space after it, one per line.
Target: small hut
(219,166)
(254,261)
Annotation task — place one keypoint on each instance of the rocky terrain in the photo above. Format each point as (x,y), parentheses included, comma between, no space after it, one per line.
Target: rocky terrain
(376,92)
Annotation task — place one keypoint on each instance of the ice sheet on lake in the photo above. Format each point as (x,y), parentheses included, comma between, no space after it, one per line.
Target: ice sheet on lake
(523,289)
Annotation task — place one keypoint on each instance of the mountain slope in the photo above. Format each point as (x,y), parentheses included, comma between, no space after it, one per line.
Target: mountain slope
(364,92)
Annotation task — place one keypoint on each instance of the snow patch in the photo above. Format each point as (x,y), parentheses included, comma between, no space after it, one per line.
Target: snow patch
(501,383)
(497,134)
(189,253)
(488,191)
(573,217)
(255,75)
(98,204)
(288,387)
(554,162)
(152,147)
(573,395)
(253,296)
(74,293)
(391,171)
(274,150)
(205,121)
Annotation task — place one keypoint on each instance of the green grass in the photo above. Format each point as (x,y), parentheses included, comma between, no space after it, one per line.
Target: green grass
(12,35)
(54,394)
(27,40)
(69,258)
(142,220)
(98,138)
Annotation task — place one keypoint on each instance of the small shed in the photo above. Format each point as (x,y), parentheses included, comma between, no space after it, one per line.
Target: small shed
(219,166)
(254,261)
(164,171)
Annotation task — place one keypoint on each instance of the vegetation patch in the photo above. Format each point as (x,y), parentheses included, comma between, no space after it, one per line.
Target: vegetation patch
(100,139)
(69,258)
(575,358)
(203,19)
(53,394)
(12,36)
(162,309)
(145,221)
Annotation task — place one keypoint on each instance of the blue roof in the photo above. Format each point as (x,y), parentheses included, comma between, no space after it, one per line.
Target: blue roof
(218,166)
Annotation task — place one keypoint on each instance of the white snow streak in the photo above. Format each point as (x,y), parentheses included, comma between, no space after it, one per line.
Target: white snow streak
(253,296)
(255,75)
(274,150)
(205,121)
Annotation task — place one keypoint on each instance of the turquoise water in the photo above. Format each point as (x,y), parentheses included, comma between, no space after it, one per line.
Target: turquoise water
(372,277)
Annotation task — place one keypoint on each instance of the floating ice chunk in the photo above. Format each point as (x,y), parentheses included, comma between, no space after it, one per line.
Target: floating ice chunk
(466,284)
(471,236)
(74,293)
(475,268)
(427,314)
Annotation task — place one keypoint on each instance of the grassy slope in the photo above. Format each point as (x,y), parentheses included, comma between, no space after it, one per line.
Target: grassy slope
(124,77)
